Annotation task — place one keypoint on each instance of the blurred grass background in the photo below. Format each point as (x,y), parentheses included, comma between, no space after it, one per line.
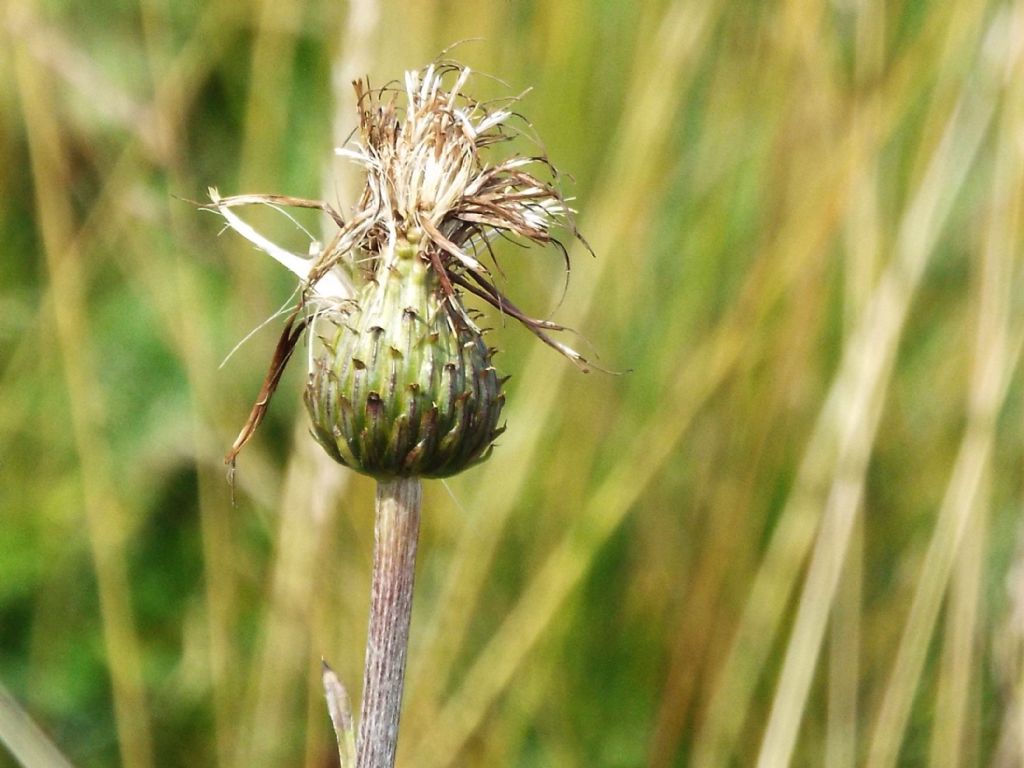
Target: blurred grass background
(790,536)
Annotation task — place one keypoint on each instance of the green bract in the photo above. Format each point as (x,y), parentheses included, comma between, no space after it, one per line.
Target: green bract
(402,386)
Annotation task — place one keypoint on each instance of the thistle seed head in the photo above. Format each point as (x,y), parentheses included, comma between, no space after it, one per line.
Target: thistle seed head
(427,181)
(401,381)
(398,388)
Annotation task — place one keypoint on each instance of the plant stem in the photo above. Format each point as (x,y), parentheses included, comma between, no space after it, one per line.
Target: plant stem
(394,566)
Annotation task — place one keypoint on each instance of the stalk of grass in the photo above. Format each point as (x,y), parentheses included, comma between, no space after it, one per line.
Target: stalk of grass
(24,739)
(104,513)
(958,507)
(313,486)
(266,111)
(183,315)
(951,742)
(949,738)
(961,650)
(218,531)
(174,87)
(844,658)
(110,219)
(861,263)
(996,356)
(262,711)
(1008,750)
(795,530)
(863,380)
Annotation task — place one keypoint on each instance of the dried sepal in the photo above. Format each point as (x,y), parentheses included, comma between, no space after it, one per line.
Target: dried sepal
(293,330)
(427,181)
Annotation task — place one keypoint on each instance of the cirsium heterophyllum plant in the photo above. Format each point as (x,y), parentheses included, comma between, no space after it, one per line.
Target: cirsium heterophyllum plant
(401,382)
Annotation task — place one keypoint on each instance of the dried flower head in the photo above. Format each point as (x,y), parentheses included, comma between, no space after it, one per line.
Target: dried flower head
(403,383)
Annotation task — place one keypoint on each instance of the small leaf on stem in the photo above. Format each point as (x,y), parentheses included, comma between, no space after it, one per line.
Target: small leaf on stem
(340,707)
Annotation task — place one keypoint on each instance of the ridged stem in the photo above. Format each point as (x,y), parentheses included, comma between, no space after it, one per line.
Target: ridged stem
(394,566)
